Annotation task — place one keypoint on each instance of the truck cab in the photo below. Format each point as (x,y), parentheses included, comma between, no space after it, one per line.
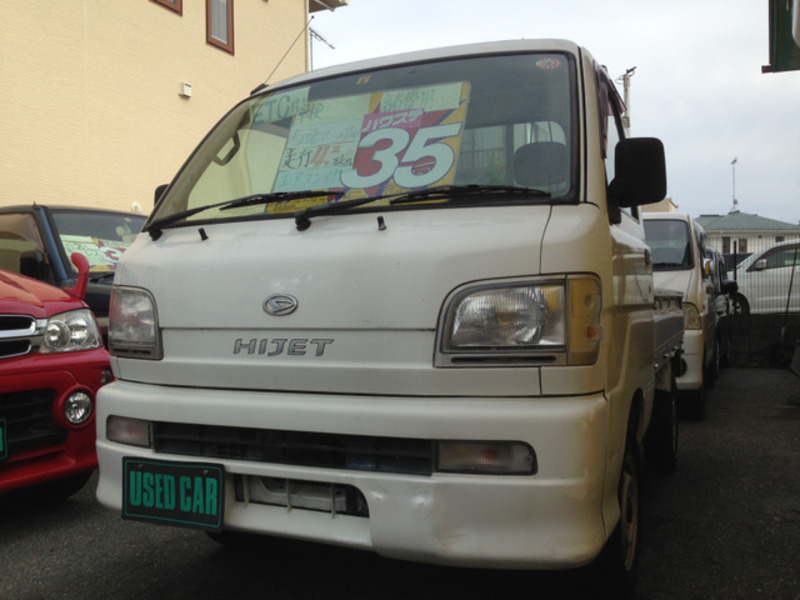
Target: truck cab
(680,263)
(403,305)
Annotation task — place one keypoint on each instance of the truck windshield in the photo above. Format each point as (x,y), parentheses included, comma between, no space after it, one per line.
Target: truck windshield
(497,120)
(100,236)
(670,244)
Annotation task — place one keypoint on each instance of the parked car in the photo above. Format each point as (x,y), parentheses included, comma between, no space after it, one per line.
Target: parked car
(725,301)
(52,363)
(769,281)
(438,337)
(677,244)
(37,241)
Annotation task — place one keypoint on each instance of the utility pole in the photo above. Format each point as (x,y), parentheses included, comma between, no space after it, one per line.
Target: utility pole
(626,97)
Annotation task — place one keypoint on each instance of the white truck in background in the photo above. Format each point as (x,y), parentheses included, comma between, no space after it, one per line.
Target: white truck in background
(680,263)
(403,305)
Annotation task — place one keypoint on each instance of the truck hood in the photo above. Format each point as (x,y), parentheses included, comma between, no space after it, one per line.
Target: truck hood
(344,272)
(368,299)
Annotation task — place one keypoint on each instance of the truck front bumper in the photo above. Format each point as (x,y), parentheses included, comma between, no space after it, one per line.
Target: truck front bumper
(692,358)
(550,519)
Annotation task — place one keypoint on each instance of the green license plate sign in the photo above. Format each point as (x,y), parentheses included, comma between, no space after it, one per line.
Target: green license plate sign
(3,440)
(185,494)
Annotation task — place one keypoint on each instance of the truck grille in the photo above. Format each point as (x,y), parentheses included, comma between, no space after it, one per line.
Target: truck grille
(16,335)
(326,450)
(29,419)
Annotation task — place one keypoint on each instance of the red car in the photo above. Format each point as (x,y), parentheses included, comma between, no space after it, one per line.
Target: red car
(52,362)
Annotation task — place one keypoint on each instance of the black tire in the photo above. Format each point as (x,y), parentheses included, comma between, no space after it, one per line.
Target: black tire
(661,442)
(693,404)
(739,304)
(711,373)
(619,561)
(725,351)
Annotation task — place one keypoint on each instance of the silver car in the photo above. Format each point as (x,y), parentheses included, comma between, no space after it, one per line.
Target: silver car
(769,281)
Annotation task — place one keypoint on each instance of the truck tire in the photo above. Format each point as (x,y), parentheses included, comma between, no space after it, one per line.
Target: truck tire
(739,304)
(617,566)
(711,373)
(661,442)
(693,404)
(725,351)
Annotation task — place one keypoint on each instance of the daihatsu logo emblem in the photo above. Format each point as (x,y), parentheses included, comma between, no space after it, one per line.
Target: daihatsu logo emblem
(279,305)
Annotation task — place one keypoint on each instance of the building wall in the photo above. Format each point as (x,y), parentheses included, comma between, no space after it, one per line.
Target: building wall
(665,205)
(748,242)
(91,113)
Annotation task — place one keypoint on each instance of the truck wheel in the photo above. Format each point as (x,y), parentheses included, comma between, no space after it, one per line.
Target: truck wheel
(693,404)
(618,564)
(661,442)
(711,373)
(739,304)
(725,351)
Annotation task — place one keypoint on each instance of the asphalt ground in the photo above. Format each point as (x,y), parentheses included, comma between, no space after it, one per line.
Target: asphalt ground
(725,526)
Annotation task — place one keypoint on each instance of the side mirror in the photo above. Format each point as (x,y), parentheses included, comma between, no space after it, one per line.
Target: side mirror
(33,264)
(641,172)
(159,192)
(759,265)
(79,289)
(729,286)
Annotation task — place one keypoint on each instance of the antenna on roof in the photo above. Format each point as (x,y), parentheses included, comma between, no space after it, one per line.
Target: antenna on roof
(316,36)
(735,206)
(299,35)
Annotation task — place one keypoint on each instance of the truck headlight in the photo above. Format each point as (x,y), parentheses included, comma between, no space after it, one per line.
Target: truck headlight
(70,331)
(521,322)
(691,316)
(133,324)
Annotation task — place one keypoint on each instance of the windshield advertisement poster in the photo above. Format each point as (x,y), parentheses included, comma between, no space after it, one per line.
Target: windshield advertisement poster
(371,144)
(103,255)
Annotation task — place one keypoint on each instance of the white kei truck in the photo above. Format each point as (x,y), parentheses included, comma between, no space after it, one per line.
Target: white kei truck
(678,249)
(403,305)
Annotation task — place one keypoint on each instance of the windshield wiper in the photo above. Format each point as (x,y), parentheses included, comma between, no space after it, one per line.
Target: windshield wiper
(302,218)
(470,191)
(155,228)
(669,265)
(101,276)
(451,193)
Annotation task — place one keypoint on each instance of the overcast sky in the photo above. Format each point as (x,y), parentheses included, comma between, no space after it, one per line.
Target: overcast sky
(698,83)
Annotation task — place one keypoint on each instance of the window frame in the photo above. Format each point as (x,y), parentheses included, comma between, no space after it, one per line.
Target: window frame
(216,42)
(173,5)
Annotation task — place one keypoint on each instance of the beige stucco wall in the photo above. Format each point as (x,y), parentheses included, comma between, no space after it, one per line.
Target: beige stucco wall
(89,107)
